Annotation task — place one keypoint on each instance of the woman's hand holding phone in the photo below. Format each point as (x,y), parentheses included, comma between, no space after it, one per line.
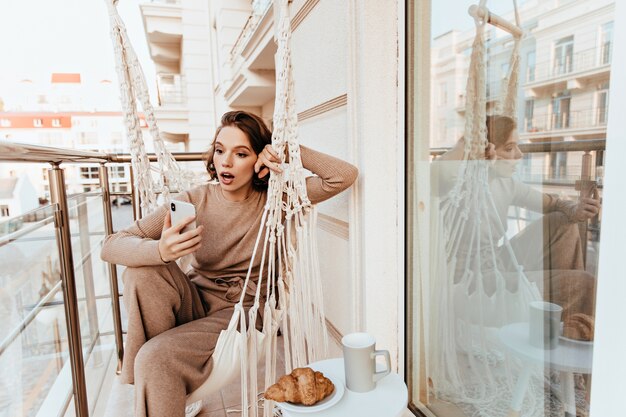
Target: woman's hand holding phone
(173,244)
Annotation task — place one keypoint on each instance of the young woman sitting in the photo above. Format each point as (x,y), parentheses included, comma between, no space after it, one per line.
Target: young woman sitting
(175,317)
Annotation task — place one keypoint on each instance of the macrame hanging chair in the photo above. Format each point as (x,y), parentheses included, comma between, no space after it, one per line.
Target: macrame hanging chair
(289,259)
(469,293)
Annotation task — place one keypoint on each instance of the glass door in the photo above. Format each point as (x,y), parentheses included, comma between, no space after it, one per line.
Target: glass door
(503,236)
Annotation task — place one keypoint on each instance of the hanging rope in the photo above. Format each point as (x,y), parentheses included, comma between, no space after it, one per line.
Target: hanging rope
(289,262)
(134,90)
(471,295)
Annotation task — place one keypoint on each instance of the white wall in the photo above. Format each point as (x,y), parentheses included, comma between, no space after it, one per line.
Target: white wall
(609,365)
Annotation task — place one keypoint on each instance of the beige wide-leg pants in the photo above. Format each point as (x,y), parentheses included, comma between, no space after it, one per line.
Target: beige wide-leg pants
(172,333)
(550,250)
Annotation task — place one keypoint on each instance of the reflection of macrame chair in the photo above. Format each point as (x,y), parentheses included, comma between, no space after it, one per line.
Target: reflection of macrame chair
(471,296)
(289,250)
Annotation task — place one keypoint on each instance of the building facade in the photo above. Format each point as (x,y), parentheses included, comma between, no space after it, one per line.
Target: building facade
(563,95)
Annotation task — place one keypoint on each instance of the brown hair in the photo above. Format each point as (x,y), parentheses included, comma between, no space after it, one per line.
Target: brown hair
(257,132)
(499,129)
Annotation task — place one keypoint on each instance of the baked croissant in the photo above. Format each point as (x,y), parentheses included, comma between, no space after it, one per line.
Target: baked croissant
(302,386)
(579,327)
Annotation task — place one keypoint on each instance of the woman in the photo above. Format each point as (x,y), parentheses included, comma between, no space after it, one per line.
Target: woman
(174,318)
(549,249)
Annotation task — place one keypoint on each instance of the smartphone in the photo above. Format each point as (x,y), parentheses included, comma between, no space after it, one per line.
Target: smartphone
(181,210)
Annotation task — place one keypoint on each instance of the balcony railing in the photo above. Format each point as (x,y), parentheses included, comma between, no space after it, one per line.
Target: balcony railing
(171,89)
(570,64)
(53,283)
(567,120)
(259,7)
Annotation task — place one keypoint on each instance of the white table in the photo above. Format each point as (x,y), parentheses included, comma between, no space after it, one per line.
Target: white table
(568,358)
(389,399)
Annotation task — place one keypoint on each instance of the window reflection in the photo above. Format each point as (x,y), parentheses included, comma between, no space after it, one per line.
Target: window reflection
(517,228)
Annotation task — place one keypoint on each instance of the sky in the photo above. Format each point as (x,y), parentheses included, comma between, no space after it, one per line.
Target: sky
(449,14)
(39,37)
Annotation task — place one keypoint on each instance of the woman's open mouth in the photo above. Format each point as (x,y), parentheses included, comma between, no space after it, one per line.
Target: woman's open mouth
(226,178)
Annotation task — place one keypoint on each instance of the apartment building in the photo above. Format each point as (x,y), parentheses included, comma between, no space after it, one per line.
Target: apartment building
(73,113)
(564,80)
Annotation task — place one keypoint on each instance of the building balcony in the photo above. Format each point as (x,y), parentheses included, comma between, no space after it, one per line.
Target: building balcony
(251,88)
(251,60)
(572,72)
(584,124)
(162,22)
(172,110)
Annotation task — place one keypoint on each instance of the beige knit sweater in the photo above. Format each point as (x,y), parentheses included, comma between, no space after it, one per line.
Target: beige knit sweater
(230,228)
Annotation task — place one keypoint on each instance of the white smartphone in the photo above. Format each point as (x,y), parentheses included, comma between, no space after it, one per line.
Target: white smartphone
(180,210)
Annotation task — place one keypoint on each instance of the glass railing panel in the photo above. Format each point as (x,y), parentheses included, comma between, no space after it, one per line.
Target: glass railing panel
(34,371)
(92,288)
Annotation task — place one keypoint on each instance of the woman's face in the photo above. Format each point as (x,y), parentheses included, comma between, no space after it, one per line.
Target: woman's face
(234,159)
(508,155)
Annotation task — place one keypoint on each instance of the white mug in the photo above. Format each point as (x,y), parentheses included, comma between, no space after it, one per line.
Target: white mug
(544,324)
(359,357)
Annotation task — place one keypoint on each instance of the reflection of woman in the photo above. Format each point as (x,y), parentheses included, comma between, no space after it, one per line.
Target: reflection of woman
(550,246)
(175,318)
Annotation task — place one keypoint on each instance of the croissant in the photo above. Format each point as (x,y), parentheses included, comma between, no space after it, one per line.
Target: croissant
(302,386)
(579,326)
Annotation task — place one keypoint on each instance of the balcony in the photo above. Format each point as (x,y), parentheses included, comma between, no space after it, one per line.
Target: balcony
(62,338)
(584,124)
(252,59)
(172,112)
(571,72)
(162,22)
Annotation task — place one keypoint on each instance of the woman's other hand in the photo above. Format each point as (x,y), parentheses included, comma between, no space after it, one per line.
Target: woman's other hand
(267,160)
(586,209)
(173,244)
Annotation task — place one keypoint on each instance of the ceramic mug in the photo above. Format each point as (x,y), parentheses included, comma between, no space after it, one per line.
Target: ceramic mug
(359,356)
(544,324)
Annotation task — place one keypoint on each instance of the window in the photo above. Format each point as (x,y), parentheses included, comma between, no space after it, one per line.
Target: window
(118,171)
(88,138)
(504,70)
(530,66)
(56,122)
(37,122)
(44,174)
(5,123)
(465,342)
(443,131)
(116,138)
(443,94)
(529,109)
(560,111)
(89,173)
(4,210)
(602,100)
(606,39)
(563,56)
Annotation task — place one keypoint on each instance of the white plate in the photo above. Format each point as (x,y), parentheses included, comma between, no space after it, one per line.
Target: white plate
(327,402)
(574,341)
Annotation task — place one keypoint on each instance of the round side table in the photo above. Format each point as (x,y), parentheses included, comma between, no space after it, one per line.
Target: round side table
(568,358)
(388,399)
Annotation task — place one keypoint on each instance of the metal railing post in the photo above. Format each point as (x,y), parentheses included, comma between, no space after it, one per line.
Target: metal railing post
(87,268)
(134,196)
(115,293)
(64,244)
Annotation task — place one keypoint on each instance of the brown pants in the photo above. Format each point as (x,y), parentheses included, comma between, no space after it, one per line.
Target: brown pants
(550,250)
(172,333)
